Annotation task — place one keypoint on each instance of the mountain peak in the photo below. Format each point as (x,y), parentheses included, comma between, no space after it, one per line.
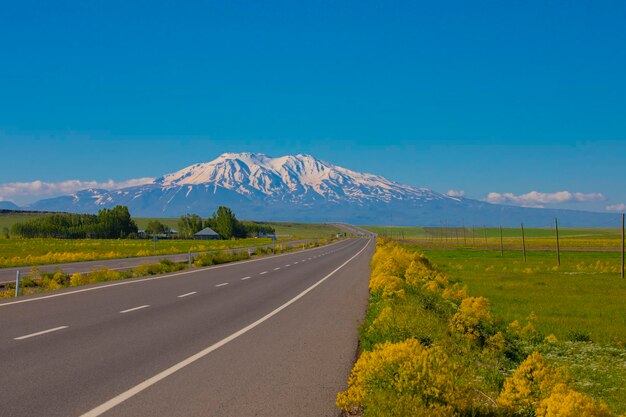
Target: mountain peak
(301,188)
(300,177)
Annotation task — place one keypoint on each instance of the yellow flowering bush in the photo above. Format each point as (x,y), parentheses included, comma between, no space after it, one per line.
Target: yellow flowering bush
(531,382)
(565,402)
(496,343)
(456,293)
(528,331)
(388,284)
(78,279)
(473,316)
(403,379)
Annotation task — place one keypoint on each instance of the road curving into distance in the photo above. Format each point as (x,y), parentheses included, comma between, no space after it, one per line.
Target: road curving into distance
(274,336)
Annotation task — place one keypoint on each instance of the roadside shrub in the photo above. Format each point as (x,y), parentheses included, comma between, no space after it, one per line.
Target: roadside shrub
(565,402)
(78,279)
(473,318)
(215,258)
(532,382)
(406,378)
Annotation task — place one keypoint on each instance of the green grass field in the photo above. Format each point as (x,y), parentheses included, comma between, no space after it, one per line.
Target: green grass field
(293,230)
(9,219)
(582,302)
(26,252)
(536,238)
(585,295)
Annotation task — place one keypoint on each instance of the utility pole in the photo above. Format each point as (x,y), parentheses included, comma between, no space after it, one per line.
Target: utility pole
(473,236)
(501,243)
(558,249)
(622,245)
(523,243)
(464,237)
(485,234)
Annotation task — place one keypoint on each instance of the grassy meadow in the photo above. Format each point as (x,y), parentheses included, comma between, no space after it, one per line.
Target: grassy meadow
(582,303)
(584,296)
(26,252)
(486,237)
(462,331)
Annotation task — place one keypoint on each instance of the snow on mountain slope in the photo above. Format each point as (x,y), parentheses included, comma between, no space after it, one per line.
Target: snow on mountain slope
(296,178)
(302,188)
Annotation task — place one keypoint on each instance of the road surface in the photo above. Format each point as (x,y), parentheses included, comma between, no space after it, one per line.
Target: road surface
(275,336)
(7,275)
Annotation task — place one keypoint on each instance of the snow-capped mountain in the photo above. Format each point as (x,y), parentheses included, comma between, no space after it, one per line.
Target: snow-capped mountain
(302,188)
(299,179)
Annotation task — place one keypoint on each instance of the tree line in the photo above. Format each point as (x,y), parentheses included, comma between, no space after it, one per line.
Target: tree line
(117,223)
(112,223)
(223,222)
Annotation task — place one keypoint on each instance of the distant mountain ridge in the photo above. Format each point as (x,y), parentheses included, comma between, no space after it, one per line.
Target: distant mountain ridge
(303,188)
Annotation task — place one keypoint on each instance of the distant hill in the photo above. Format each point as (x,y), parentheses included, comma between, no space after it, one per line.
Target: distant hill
(8,205)
(303,188)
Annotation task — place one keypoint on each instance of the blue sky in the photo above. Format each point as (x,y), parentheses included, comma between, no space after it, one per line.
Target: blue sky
(486,96)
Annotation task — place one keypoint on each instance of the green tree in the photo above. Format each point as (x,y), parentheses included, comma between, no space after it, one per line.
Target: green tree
(188,225)
(108,224)
(226,224)
(155,227)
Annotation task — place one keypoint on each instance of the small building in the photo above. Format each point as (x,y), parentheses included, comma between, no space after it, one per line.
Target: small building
(206,234)
(171,234)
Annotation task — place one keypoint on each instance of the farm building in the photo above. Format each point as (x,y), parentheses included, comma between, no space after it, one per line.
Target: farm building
(206,234)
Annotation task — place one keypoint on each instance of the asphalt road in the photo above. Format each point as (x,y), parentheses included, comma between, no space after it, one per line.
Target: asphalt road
(8,274)
(275,336)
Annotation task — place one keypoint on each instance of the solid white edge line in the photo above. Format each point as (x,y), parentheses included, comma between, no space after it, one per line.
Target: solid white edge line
(138,280)
(103,408)
(189,293)
(40,333)
(135,308)
(222,284)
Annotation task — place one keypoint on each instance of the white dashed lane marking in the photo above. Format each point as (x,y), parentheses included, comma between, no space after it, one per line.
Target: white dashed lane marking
(40,333)
(188,294)
(134,309)
(222,284)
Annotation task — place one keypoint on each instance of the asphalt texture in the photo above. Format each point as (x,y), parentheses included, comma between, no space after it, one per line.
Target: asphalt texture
(279,336)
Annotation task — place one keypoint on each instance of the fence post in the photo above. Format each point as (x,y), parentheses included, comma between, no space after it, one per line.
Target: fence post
(189,258)
(501,243)
(17,284)
(558,249)
(473,236)
(622,245)
(485,235)
(523,243)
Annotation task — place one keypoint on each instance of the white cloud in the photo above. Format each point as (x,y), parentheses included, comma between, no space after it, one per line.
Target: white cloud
(35,189)
(537,199)
(616,207)
(456,193)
